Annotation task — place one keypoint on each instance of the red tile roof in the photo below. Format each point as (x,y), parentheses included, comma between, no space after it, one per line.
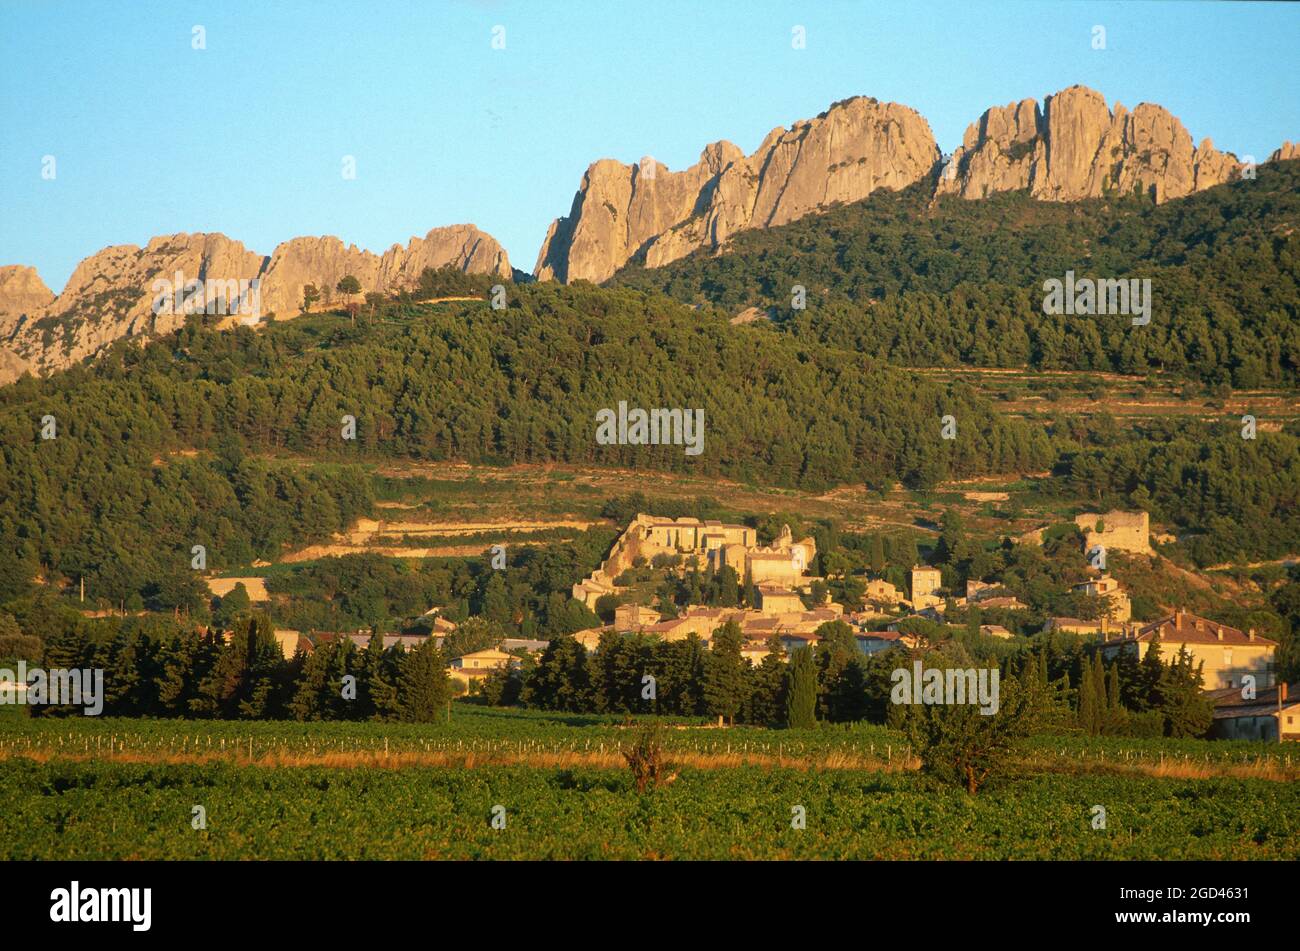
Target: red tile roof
(1185,628)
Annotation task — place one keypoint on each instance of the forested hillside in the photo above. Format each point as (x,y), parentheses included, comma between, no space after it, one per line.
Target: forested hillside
(111,499)
(951,282)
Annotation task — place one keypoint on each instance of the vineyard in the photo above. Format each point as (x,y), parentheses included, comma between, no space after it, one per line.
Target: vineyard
(124,789)
(140,811)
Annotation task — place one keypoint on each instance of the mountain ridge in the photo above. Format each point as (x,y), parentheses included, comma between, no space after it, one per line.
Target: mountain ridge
(1072,146)
(111,294)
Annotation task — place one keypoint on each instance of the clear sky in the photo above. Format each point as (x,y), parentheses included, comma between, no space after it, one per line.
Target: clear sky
(247,137)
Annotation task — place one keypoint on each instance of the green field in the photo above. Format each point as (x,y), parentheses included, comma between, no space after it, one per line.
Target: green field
(123,789)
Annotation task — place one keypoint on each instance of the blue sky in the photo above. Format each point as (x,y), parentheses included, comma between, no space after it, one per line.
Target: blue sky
(248,136)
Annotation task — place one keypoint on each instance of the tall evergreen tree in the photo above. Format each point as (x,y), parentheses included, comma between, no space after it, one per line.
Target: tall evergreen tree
(424,689)
(801,690)
(724,679)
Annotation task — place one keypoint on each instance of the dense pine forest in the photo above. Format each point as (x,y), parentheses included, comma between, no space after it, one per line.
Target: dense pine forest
(110,499)
(953,282)
(234,440)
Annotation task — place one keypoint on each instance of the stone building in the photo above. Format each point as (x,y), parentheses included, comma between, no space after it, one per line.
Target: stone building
(925,582)
(702,544)
(773,599)
(1227,653)
(1116,531)
(1272,714)
(882,591)
(1120,608)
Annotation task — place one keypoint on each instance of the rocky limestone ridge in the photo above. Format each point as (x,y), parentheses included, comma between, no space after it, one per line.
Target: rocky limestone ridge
(1289,150)
(1072,147)
(22,292)
(1076,147)
(325,261)
(846,153)
(111,294)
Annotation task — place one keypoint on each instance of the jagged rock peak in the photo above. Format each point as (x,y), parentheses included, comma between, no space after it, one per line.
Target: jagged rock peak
(112,293)
(22,291)
(1076,147)
(844,154)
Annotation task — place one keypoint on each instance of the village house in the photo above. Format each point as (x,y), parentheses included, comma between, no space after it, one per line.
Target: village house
(882,591)
(995,630)
(487,659)
(926,581)
(1119,607)
(776,600)
(410,642)
(288,641)
(471,668)
(1005,603)
(1227,653)
(634,617)
(1273,714)
(873,642)
(1081,627)
(512,644)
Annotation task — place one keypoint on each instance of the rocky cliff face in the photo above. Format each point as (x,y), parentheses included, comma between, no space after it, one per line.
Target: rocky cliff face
(1289,150)
(112,294)
(22,292)
(1076,147)
(1071,147)
(843,155)
(326,261)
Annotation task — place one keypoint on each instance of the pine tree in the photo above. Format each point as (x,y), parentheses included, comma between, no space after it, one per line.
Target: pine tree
(1188,712)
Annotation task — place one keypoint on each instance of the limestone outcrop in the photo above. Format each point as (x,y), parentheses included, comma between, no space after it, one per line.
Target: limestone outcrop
(855,147)
(325,261)
(1076,147)
(112,293)
(1289,150)
(1071,146)
(22,292)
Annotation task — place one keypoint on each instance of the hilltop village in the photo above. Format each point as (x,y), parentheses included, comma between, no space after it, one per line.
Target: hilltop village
(787,607)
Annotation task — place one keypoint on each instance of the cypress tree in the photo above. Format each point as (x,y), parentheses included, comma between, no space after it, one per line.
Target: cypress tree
(423,686)
(801,690)
(724,675)
(877,554)
(1087,703)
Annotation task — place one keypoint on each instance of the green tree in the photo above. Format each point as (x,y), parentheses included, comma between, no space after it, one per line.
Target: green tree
(801,690)
(958,744)
(310,295)
(424,689)
(724,679)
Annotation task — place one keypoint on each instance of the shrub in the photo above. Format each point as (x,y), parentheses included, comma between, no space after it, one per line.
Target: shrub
(645,759)
(957,744)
